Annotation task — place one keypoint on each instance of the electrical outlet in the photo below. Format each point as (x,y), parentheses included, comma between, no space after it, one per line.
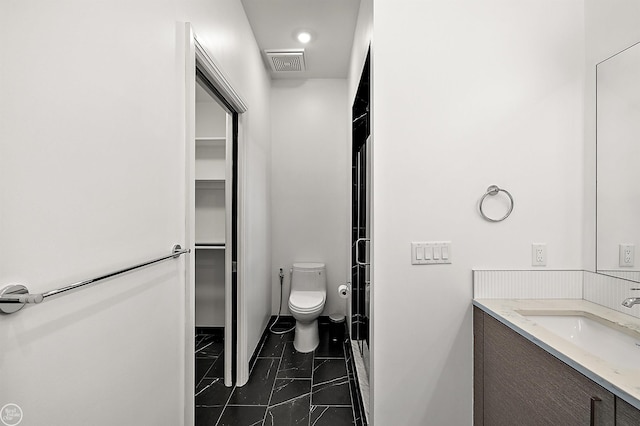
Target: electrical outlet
(538,254)
(627,254)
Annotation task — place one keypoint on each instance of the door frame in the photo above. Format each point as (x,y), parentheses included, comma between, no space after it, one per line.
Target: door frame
(197,57)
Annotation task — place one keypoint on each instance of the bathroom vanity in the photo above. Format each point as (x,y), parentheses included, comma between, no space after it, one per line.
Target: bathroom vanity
(529,374)
(572,357)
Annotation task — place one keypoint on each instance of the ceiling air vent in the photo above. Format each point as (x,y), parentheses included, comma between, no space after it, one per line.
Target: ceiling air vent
(290,60)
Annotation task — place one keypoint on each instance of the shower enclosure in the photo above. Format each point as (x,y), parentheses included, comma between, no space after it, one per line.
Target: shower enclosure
(361,217)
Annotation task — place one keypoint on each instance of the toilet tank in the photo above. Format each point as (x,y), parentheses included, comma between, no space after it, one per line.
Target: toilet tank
(309,277)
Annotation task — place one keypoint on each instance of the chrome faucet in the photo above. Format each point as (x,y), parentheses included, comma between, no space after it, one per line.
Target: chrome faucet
(630,301)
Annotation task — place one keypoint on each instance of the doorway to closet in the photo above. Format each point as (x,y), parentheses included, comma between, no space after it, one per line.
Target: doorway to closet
(215,219)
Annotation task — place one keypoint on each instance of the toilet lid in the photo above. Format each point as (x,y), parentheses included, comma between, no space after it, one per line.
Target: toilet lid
(306,300)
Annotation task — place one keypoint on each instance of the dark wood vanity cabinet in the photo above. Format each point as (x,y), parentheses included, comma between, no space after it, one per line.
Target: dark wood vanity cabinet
(626,414)
(518,383)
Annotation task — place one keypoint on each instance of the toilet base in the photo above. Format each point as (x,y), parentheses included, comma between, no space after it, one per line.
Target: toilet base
(306,337)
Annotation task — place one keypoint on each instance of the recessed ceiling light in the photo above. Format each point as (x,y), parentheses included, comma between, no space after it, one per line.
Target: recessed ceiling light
(303,37)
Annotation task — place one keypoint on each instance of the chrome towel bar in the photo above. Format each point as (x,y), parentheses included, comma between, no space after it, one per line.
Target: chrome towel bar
(14,296)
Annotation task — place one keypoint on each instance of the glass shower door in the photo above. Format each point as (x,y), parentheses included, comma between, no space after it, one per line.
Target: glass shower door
(361,216)
(360,266)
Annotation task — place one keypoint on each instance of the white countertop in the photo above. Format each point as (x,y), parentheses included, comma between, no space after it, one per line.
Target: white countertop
(623,382)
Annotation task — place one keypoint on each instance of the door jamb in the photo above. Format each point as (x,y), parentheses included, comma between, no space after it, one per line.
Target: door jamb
(196,56)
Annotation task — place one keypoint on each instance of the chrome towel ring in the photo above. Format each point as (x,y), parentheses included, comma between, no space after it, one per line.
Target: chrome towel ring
(494,190)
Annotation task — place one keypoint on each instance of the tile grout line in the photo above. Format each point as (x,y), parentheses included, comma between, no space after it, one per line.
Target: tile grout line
(313,373)
(333,405)
(214,380)
(226,404)
(206,372)
(350,367)
(288,401)
(247,405)
(233,388)
(204,347)
(337,381)
(264,418)
(302,379)
(319,417)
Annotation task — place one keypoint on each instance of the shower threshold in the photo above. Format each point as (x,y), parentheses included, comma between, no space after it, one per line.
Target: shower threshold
(363,377)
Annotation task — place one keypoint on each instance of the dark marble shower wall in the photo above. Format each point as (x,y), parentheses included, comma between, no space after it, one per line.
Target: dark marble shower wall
(285,387)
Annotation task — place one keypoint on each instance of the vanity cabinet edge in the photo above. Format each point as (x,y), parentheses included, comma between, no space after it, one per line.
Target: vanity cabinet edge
(478,364)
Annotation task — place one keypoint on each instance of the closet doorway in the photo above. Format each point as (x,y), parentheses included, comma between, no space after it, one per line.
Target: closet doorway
(216,359)
(215,235)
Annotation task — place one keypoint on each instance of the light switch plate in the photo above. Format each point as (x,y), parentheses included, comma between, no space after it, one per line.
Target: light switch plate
(431,253)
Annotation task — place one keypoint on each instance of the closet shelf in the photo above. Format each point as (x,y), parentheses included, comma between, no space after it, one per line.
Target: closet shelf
(211,182)
(217,184)
(211,246)
(211,140)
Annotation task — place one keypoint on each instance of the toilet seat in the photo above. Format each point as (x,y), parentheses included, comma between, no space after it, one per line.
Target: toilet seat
(306,301)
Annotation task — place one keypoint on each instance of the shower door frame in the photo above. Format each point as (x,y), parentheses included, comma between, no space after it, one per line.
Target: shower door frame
(361,151)
(361,260)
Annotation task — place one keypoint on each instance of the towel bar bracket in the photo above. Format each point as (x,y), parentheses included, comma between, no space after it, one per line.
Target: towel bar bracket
(15,296)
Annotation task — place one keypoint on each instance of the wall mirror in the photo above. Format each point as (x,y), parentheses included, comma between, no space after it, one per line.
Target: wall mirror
(618,165)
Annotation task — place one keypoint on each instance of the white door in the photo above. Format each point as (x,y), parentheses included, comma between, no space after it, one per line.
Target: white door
(89,185)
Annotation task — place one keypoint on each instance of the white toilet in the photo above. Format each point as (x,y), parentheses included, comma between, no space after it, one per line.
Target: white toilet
(306,302)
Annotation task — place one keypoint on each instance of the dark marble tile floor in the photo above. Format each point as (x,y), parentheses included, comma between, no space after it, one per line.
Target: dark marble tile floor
(285,387)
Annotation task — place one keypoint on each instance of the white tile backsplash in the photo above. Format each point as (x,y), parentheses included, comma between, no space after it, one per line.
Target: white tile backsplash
(604,290)
(610,292)
(547,284)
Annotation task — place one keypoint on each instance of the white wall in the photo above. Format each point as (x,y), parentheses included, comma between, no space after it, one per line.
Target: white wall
(361,40)
(610,26)
(211,119)
(92,173)
(310,181)
(466,94)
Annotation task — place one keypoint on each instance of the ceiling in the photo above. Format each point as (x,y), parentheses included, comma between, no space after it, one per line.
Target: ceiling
(331,23)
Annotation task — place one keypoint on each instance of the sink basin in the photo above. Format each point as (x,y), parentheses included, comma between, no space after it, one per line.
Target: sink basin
(602,338)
